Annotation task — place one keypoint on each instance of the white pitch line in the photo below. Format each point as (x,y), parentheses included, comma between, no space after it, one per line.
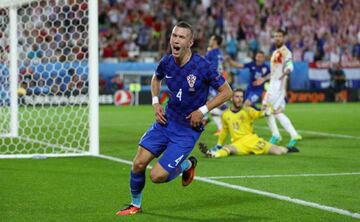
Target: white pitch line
(316,133)
(259,192)
(285,175)
(281,197)
(119,160)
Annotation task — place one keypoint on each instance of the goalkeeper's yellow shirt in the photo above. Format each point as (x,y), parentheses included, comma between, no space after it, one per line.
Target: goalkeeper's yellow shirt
(238,124)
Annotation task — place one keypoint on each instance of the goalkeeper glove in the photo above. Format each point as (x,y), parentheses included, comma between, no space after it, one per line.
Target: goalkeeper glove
(216,148)
(268,110)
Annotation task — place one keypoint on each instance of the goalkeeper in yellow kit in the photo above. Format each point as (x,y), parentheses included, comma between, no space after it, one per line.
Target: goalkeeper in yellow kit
(238,121)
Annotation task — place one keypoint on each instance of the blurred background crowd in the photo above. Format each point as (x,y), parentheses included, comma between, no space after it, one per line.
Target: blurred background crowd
(326,30)
(53,49)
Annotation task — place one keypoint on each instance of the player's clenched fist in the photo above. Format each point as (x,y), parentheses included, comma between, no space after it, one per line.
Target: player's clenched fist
(159,113)
(195,118)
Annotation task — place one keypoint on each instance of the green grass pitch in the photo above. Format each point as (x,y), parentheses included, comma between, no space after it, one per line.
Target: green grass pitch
(93,189)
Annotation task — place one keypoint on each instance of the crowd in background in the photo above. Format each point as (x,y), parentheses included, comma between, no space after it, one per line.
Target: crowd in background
(327,30)
(139,30)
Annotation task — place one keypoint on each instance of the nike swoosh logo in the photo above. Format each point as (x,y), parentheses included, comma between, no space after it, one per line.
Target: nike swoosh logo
(170,166)
(168,77)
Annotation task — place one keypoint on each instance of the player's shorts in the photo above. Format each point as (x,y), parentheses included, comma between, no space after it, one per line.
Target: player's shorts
(173,140)
(251,144)
(277,100)
(253,96)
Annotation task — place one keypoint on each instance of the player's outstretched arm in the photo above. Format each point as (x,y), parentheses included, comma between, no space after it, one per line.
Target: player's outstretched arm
(159,110)
(233,63)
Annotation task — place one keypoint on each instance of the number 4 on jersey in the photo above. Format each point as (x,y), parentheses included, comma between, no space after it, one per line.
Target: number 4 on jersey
(178,95)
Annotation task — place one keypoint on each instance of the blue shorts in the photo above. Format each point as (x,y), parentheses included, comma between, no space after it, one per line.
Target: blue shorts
(173,140)
(253,96)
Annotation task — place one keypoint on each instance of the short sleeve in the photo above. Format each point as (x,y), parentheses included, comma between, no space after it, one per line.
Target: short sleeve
(288,55)
(288,63)
(214,78)
(248,65)
(208,56)
(160,69)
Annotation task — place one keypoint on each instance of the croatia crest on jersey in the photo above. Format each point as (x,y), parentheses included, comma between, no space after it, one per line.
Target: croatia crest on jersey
(191,79)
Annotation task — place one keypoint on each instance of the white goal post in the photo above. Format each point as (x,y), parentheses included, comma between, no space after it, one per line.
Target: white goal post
(49,78)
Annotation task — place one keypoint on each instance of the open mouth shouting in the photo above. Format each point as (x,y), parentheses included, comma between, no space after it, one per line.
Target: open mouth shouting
(176,50)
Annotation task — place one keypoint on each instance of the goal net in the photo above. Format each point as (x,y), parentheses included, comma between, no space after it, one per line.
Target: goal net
(48,78)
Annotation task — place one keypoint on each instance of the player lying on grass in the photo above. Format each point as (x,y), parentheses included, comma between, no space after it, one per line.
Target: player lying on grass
(238,121)
(188,77)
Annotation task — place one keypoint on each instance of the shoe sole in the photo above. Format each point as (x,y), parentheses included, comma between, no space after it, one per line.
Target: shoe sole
(293,150)
(131,213)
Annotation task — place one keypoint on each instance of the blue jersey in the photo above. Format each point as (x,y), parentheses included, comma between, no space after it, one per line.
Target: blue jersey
(216,57)
(188,85)
(256,72)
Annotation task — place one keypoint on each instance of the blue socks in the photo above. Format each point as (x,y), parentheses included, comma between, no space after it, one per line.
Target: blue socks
(137,183)
(183,166)
(136,199)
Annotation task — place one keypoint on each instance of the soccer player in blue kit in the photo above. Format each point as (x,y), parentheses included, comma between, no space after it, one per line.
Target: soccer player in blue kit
(188,77)
(259,74)
(214,54)
(216,58)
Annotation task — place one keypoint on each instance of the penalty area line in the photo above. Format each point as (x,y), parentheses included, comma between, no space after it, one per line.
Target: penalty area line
(259,192)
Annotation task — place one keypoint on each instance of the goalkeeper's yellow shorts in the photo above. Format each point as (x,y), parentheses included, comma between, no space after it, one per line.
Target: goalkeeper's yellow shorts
(251,144)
